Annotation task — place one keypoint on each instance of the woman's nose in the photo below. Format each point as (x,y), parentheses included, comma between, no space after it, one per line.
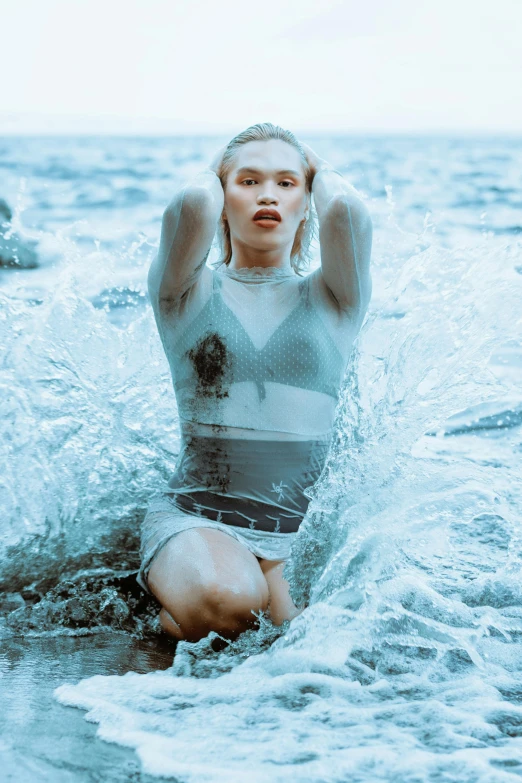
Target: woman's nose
(267,197)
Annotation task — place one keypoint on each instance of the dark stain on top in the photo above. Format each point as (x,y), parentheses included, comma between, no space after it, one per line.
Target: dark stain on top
(208,460)
(212,363)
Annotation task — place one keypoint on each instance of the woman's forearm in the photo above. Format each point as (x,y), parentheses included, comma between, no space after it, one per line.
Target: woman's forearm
(205,185)
(345,235)
(187,231)
(329,184)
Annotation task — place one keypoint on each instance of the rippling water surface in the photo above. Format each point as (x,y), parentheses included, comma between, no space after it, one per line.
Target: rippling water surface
(407,663)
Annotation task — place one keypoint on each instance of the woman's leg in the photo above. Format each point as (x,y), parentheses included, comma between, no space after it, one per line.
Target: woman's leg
(207,581)
(169,626)
(280,606)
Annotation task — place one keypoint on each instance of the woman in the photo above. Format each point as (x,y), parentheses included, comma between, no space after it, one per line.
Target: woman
(257,354)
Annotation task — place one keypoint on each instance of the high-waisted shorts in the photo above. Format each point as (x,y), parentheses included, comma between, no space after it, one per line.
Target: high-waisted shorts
(250,490)
(164,519)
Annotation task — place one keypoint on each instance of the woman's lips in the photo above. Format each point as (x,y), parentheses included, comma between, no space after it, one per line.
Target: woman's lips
(267,218)
(266,222)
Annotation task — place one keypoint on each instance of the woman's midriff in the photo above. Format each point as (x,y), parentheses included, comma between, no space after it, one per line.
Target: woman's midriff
(191,429)
(248,483)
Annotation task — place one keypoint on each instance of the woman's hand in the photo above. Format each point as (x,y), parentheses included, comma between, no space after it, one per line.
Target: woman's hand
(217,159)
(314,161)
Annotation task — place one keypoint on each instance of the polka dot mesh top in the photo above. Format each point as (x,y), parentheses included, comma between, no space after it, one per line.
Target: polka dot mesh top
(259,350)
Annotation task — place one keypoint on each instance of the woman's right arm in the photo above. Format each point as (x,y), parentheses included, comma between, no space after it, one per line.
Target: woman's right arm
(187,231)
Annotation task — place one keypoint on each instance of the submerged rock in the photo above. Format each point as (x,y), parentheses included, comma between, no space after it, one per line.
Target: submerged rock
(10,602)
(14,251)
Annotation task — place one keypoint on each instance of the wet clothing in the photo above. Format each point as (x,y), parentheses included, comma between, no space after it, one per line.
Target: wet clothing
(257,359)
(256,484)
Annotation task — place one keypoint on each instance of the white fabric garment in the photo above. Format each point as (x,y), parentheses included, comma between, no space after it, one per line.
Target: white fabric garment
(257,358)
(257,353)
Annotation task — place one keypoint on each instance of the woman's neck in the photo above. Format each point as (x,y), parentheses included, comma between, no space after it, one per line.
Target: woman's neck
(245,257)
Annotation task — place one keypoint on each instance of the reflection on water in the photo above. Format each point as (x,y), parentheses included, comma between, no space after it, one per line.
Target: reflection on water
(42,741)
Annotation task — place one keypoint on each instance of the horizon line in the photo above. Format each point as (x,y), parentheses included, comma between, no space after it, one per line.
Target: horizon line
(113,133)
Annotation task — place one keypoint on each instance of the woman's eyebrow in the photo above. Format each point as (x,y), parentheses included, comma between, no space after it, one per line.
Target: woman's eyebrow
(250,170)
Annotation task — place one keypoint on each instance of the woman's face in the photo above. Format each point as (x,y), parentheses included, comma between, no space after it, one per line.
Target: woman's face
(266,175)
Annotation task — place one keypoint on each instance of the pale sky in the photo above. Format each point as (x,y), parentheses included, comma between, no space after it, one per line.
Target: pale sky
(217,66)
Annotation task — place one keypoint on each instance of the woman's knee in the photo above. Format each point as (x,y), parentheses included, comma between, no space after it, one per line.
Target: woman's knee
(223,592)
(217,603)
(234,602)
(217,607)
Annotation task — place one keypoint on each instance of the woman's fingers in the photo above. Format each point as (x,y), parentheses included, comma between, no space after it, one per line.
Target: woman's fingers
(218,157)
(314,161)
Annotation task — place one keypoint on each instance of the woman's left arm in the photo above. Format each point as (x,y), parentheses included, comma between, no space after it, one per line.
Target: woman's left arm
(345,237)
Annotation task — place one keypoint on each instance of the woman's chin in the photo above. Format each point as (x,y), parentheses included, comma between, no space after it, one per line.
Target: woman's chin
(270,238)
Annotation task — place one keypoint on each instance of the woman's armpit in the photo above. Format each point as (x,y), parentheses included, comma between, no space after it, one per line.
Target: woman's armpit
(179,312)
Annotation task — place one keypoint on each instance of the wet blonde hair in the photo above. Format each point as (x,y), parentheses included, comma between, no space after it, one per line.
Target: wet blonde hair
(300,255)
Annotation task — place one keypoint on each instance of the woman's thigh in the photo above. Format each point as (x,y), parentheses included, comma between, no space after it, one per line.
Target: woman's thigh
(207,580)
(280,607)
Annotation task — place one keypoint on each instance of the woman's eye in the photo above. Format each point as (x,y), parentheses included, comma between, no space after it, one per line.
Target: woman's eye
(286,183)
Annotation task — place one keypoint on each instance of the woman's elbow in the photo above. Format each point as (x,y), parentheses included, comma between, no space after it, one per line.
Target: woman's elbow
(354,210)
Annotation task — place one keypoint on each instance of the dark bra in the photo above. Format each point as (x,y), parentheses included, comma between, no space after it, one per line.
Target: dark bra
(215,351)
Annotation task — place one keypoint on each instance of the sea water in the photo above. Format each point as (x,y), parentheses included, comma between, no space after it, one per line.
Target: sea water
(407,663)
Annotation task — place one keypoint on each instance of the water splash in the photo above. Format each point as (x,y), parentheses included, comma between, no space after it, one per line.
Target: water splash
(406,663)
(88,427)
(427,359)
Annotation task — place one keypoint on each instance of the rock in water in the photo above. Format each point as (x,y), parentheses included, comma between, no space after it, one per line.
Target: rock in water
(14,251)
(5,212)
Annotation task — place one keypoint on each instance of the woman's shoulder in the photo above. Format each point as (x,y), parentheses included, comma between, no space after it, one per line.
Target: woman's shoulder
(340,321)
(178,310)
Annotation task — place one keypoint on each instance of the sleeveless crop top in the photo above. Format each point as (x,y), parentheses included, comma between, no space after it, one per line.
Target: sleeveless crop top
(257,349)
